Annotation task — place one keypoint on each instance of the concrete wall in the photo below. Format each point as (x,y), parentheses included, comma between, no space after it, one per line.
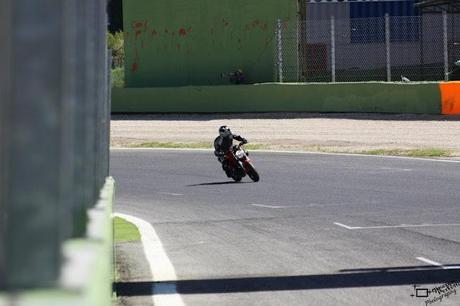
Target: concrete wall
(371,97)
(87,272)
(192,42)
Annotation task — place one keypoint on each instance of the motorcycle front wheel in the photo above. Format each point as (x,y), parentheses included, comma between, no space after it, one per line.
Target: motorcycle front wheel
(252,172)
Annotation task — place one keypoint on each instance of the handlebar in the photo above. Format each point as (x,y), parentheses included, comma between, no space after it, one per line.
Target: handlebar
(241,144)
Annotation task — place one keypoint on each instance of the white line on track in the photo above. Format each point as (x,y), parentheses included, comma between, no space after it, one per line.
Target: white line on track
(295,152)
(437,264)
(395,169)
(343,225)
(320,205)
(428,261)
(161,267)
(270,206)
(394,226)
(171,194)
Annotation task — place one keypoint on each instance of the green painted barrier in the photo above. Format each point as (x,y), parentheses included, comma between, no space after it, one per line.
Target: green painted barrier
(192,42)
(369,97)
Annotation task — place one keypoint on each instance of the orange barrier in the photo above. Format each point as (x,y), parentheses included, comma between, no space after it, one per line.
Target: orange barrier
(450,97)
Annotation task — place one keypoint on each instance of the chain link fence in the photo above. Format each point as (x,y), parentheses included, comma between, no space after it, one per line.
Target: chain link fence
(389,48)
(54,128)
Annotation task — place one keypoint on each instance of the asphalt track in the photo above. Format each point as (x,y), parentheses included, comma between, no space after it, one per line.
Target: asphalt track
(316,230)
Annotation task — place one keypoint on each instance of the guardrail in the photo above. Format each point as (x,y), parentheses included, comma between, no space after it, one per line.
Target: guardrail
(54,128)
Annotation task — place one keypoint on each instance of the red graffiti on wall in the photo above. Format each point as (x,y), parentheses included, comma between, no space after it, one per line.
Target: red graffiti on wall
(139,28)
(142,35)
(134,67)
(256,24)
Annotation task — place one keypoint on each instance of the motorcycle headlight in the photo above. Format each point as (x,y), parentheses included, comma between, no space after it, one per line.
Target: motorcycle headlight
(239,154)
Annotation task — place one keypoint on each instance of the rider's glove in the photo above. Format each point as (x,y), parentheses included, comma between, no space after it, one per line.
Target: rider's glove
(245,140)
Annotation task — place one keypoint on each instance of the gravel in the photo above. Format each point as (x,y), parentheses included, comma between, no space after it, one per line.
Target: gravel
(302,131)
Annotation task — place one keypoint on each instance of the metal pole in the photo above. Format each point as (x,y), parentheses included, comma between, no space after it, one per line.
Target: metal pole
(302,4)
(69,103)
(82,190)
(105,119)
(446,53)
(91,100)
(297,49)
(333,48)
(422,47)
(280,51)
(387,45)
(5,108)
(100,82)
(108,113)
(35,182)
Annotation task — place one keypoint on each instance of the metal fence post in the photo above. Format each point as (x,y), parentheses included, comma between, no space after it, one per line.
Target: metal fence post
(91,100)
(333,48)
(81,131)
(298,25)
(445,46)
(280,50)
(107,113)
(68,105)
(99,67)
(33,231)
(5,62)
(387,46)
(421,34)
(302,8)
(103,72)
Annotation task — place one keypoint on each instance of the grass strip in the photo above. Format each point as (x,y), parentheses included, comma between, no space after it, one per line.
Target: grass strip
(175,145)
(124,231)
(192,145)
(428,152)
(410,153)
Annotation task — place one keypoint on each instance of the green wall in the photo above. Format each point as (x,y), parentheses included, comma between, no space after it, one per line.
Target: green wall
(192,42)
(371,97)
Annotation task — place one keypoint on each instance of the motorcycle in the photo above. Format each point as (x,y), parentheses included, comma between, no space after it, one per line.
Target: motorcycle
(238,164)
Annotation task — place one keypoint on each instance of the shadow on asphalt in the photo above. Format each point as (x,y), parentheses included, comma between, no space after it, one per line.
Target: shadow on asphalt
(387,269)
(217,183)
(419,275)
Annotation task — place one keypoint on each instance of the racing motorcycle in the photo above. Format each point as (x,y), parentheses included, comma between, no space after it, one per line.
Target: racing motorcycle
(238,164)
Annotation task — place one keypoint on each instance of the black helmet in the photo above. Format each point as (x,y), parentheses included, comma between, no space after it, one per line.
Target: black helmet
(223,129)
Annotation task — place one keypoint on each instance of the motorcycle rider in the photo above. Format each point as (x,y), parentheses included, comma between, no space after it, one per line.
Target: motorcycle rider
(223,143)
